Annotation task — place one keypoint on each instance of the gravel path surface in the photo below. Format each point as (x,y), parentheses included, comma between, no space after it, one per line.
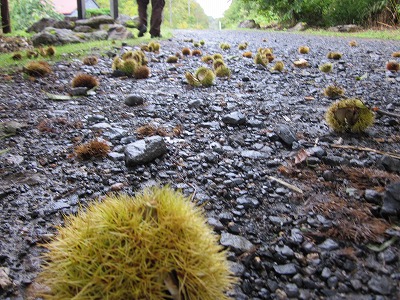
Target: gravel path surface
(305,212)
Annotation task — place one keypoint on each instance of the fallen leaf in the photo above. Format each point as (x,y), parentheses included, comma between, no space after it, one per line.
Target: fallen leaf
(301,156)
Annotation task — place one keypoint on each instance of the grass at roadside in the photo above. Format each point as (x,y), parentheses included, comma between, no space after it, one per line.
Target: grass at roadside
(71,51)
(369,34)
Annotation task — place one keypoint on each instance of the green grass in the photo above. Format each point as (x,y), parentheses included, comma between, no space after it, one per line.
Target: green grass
(72,51)
(369,34)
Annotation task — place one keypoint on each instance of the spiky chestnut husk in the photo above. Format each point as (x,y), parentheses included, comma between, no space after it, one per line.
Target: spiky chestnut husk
(279,66)
(265,51)
(50,51)
(127,55)
(248,54)
(334,55)
(197,52)
(142,72)
(129,66)
(90,60)
(145,48)
(393,66)
(349,115)
(205,75)
(84,80)
(32,54)
(42,52)
(326,68)
(196,44)
(223,71)
(192,80)
(353,44)
(225,46)
(154,46)
(117,63)
(242,46)
(156,245)
(270,57)
(217,56)
(37,68)
(304,49)
(186,51)
(207,59)
(92,149)
(172,59)
(396,54)
(217,63)
(202,42)
(260,59)
(333,91)
(16,56)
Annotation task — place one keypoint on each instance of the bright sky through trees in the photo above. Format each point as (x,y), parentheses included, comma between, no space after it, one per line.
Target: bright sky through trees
(214,8)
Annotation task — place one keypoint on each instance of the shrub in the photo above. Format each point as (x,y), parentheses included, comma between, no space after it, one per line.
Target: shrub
(153,246)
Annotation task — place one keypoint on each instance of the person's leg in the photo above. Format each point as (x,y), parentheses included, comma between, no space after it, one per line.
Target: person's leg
(142,8)
(156,17)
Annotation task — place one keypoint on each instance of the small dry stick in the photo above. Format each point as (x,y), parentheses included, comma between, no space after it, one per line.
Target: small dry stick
(394,155)
(387,113)
(288,185)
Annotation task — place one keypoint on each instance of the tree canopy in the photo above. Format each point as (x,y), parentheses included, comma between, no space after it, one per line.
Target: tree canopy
(315,12)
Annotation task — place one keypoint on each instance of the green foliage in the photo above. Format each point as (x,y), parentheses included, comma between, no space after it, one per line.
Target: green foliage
(156,245)
(314,12)
(98,12)
(23,13)
(241,10)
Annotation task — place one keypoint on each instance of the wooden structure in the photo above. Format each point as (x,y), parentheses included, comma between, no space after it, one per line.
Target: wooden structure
(5,17)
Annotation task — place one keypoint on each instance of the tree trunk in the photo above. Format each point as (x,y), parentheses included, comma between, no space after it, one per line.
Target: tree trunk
(5,17)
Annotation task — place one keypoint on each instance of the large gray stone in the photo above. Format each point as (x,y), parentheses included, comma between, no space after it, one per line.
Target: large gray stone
(248,24)
(236,242)
(95,22)
(55,36)
(117,32)
(391,200)
(144,151)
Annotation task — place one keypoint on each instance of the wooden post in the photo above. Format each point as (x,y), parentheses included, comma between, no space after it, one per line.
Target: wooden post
(114,9)
(5,17)
(81,9)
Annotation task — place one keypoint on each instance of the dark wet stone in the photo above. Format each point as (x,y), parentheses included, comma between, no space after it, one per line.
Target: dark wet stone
(391,164)
(329,245)
(286,134)
(236,242)
(391,200)
(144,151)
(373,196)
(296,237)
(388,256)
(134,100)
(292,291)
(284,250)
(332,160)
(328,175)
(380,284)
(287,269)
(216,224)
(234,118)
(248,202)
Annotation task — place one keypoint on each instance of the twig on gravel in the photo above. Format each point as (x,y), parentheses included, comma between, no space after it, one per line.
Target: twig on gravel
(394,155)
(387,113)
(288,185)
